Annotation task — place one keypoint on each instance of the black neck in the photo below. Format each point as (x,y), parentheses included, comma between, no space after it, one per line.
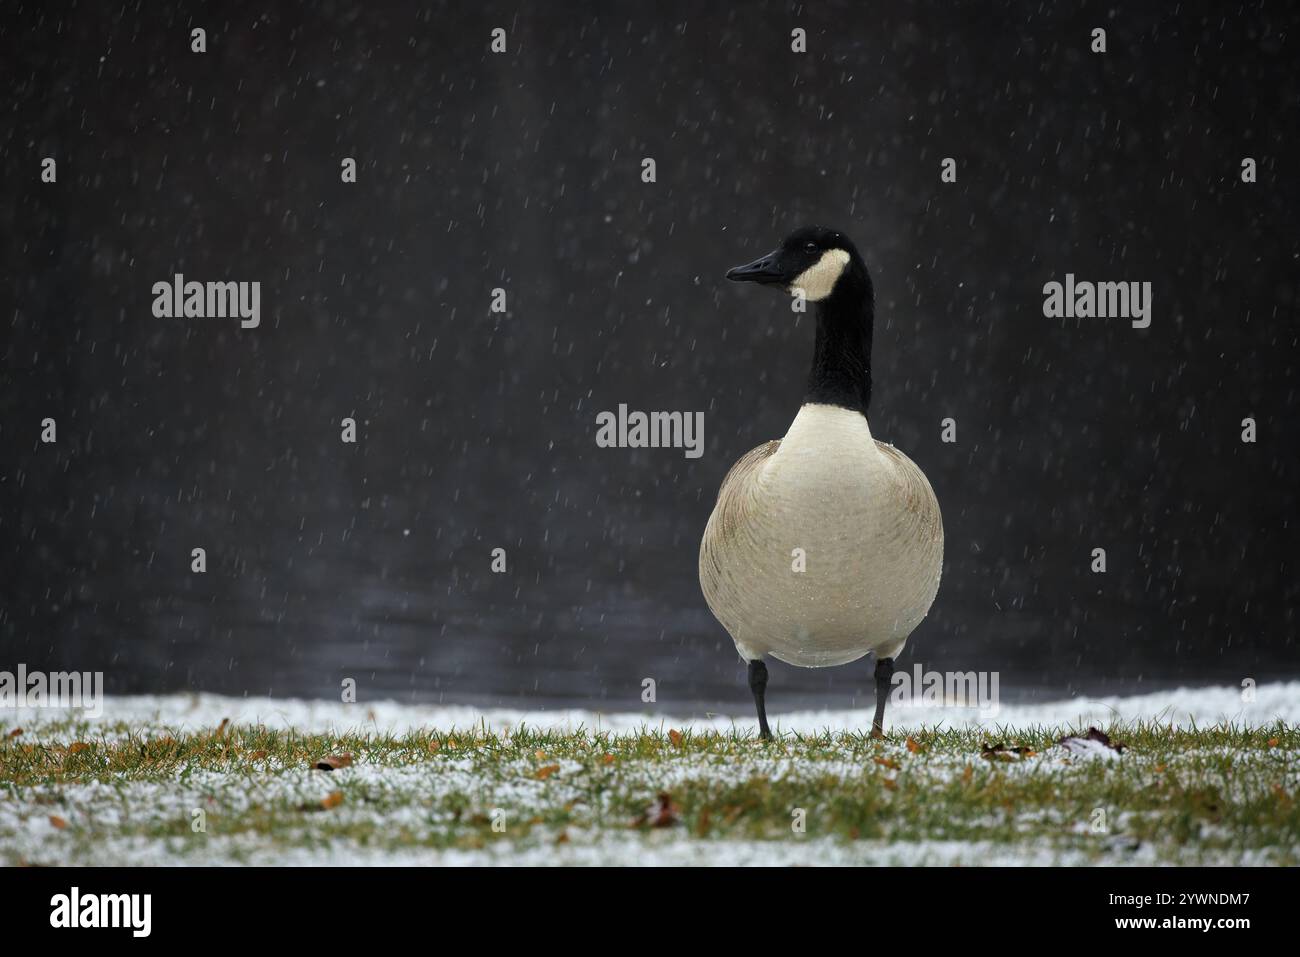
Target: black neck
(841,366)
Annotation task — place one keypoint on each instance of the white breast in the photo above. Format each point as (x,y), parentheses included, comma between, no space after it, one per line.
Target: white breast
(870,537)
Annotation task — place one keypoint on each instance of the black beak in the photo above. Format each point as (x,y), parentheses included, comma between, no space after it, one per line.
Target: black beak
(763,271)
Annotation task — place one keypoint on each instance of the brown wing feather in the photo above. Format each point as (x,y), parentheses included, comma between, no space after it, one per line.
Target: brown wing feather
(733,501)
(916,495)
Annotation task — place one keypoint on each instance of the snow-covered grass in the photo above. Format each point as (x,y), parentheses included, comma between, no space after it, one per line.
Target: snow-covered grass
(1203,778)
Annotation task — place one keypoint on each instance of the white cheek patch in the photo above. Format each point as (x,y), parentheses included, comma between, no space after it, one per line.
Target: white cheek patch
(819,279)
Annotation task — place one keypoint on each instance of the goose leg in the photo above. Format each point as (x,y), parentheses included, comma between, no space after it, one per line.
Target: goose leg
(758,685)
(884,674)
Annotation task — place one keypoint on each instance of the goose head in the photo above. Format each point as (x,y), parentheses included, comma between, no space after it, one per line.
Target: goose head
(825,267)
(819,261)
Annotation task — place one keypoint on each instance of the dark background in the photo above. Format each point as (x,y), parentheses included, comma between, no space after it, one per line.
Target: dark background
(477,430)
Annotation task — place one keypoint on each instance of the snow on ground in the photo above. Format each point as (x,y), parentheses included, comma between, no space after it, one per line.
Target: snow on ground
(619,850)
(394,813)
(1183,707)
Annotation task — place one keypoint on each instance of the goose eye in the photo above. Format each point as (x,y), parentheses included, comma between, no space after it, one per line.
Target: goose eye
(810,247)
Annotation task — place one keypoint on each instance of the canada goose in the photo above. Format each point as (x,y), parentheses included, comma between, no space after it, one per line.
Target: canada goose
(827,544)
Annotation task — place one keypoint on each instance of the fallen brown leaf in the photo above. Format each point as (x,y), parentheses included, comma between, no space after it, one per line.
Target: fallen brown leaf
(546,771)
(663,813)
(333,799)
(1101,736)
(1080,744)
(887,763)
(1003,752)
(15,732)
(58,822)
(333,762)
(675,737)
(912,746)
(608,759)
(1273,742)
(77,746)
